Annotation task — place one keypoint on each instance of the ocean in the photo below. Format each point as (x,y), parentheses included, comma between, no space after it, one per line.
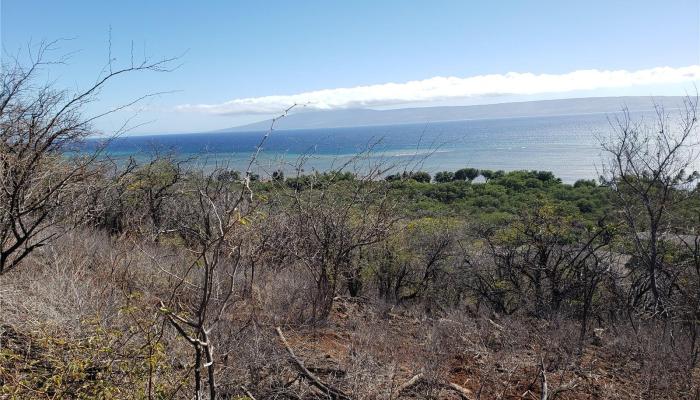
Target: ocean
(567,145)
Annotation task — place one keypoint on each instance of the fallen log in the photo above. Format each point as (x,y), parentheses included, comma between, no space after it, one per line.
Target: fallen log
(463,392)
(247,393)
(332,392)
(416,378)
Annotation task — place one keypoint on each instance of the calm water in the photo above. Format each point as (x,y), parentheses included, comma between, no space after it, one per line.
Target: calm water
(565,145)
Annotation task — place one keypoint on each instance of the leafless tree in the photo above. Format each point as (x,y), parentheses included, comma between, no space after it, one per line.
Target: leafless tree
(209,216)
(650,169)
(330,218)
(203,291)
(38,123)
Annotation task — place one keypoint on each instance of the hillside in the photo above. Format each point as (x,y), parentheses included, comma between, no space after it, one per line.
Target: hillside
(367,117)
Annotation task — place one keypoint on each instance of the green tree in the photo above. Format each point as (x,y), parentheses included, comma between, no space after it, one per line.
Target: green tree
(278,176)
(393,177)
(466,174)
(419,176)
(585,183)
(487,174)
(444,177)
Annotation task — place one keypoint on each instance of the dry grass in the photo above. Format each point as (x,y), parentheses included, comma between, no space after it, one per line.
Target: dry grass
(82,320)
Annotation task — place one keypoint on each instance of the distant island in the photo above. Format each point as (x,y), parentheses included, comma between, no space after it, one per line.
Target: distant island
(417,115)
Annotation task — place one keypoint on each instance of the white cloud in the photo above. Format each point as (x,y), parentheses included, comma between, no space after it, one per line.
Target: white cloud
(445,88)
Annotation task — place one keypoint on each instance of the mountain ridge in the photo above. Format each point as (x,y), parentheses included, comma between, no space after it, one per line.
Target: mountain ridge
(538,108)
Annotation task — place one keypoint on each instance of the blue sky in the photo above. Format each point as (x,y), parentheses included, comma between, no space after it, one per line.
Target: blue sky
(249,50)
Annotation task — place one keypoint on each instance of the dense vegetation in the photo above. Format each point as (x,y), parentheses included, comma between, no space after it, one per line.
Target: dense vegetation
(162,280)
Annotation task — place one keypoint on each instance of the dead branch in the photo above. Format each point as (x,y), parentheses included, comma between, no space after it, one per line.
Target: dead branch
(462,391)
(247,393)
(406,385)
(543,375)
(334,393)
(563,388)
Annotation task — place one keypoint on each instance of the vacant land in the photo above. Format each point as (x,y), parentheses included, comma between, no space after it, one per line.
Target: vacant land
(161,280)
